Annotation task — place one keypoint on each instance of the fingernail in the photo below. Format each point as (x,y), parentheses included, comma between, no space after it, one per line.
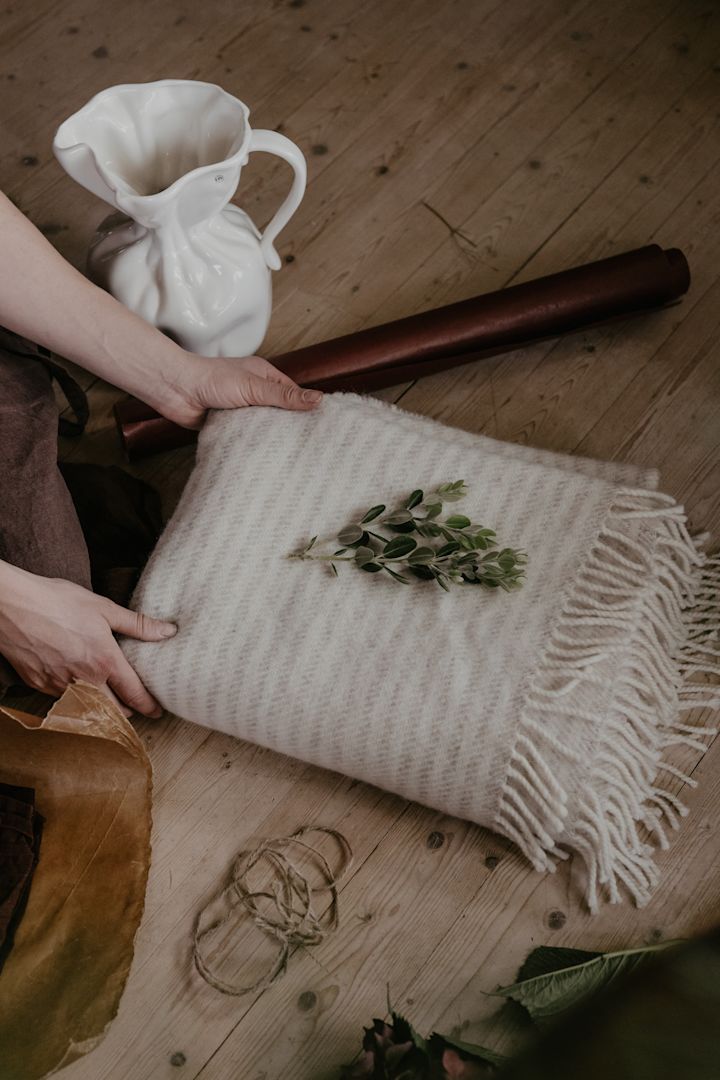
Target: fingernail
(169,630)
(156,713)
(312,396)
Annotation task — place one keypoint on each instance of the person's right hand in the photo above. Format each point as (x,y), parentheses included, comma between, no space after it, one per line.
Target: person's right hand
(53,632)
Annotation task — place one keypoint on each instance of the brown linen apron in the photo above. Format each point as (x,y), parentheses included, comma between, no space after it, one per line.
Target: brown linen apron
(90,524)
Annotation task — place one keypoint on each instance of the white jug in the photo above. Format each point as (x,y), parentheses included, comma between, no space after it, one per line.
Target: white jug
(168,155)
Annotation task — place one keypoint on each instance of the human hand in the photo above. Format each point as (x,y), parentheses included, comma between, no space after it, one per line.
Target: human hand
(53,631)
(203,383)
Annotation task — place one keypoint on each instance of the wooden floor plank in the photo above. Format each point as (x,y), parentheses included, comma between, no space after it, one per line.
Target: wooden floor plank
(469,145)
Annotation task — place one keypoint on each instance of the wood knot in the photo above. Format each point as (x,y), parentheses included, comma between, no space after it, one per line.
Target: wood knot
(556,920)
(491,861)
(435,840)
(178,1059)
(307,1000)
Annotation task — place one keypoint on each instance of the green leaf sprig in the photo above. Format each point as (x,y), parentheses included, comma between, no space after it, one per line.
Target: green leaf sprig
(455,550)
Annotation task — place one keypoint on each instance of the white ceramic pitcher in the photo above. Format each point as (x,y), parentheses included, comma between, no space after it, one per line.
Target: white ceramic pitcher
(168,155)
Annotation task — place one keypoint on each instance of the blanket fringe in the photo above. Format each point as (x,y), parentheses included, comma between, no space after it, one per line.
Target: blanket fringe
(635,644)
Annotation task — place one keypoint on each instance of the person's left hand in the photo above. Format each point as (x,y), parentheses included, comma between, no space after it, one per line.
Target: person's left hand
(230,383)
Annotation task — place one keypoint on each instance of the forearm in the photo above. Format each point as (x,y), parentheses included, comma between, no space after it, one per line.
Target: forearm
(47,300)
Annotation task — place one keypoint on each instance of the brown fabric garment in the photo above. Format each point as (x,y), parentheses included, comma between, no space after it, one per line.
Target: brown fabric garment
(39,529)
(121,519)
(91,524)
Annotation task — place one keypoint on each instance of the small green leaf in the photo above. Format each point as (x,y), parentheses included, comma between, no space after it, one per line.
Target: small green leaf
(414,499)
(398,577)
(340,551)
(333,567)
(449,549)
(428,528)
(308,546)
(363,555)
(424,573)
(373,512)
(458,521)
(421,556)
(453,491)
(432,510)
(371,567)
(350,535)
(398,517)
(399,547)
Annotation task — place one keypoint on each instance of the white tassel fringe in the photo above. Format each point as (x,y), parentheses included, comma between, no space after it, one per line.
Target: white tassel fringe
(639,635)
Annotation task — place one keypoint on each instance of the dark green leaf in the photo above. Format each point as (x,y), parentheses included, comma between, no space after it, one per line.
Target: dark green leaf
(553,981)
(398,577)
(546,959)
(373,512)
(363,555)
(398,547)
(421,555)
(414,499)
(449,548)
(433,509)
(333,567)
(458,521)
(428,528)
(350,535)
(398,517)
(422,572)
(308,546)
(340,551)
(371,567)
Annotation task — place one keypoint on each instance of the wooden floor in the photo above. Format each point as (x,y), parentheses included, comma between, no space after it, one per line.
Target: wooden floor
(453,147)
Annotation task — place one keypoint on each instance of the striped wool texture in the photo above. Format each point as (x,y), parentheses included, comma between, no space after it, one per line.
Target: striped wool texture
(549,714)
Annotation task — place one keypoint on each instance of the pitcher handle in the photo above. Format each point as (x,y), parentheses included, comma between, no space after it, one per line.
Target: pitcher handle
(272,142)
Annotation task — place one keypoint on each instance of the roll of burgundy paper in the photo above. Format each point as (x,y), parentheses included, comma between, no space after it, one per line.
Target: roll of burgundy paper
(444,337)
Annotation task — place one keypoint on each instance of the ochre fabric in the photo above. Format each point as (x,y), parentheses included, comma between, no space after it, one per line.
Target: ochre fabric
(63,978)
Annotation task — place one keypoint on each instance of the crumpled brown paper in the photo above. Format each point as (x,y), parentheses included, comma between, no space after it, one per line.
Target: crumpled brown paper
(61,984)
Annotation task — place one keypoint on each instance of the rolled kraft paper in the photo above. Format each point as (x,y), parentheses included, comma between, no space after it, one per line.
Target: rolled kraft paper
(445,337)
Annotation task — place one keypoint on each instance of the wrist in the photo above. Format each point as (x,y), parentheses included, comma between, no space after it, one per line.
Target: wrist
(164,381)
(174,392)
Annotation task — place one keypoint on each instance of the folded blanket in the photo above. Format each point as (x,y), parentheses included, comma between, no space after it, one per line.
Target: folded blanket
(548,714)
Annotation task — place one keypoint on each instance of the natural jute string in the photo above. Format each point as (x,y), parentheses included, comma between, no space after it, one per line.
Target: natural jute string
(297,922)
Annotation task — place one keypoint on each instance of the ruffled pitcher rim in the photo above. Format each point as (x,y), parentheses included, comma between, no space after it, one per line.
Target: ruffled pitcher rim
(117,183)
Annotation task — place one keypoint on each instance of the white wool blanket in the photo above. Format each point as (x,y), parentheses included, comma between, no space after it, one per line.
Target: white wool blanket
(549,715)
